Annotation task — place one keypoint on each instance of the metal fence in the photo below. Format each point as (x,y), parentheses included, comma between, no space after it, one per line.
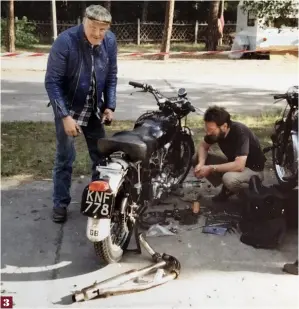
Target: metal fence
(139,32)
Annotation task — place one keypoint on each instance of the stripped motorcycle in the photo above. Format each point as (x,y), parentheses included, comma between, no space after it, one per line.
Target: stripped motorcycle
(142,166)
(285,141)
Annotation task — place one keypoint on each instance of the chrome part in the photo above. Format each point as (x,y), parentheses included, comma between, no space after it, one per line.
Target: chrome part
(114,171)
(138,185)
(167,268)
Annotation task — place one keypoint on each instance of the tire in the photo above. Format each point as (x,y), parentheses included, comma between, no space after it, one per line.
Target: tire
(106,250)
(187,139)
(291,183)
(109,253)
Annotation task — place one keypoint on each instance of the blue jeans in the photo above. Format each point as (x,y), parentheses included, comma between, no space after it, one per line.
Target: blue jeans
(66,154)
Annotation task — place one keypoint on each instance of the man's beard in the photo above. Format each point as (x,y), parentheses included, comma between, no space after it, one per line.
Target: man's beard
(211,139)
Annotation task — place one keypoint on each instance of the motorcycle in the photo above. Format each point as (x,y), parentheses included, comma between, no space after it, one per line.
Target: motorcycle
(142,166)
(285,141)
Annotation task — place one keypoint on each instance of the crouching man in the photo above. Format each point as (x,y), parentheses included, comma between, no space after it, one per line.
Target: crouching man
(243,154)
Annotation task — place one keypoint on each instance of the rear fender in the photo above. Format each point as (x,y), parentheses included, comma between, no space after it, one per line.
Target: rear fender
(114,172)
(97,229)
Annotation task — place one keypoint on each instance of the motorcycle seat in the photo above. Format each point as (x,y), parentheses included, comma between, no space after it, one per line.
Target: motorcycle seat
(136,144)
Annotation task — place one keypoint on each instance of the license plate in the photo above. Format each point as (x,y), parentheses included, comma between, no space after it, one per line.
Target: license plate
(97,204)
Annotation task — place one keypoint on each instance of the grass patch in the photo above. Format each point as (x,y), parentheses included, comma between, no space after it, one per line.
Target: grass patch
(129,48)
(28,148)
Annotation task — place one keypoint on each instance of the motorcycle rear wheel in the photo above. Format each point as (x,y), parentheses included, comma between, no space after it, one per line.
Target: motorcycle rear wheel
(111,249)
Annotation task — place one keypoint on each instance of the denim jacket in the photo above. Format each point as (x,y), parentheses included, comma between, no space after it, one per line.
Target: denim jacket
(68,73)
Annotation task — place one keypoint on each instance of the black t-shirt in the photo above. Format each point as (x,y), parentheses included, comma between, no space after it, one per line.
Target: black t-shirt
(240,141)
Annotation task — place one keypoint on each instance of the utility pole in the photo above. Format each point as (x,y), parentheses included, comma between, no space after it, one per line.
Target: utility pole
(165,47)
(54,20)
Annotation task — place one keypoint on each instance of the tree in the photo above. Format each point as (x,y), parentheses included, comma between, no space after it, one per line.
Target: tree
(144,11)
(11,27)
(212,34)
(269,10)
(82,5)
(107,5)
(165,47)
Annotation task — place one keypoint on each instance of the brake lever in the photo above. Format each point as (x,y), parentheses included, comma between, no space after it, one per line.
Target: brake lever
(200,111)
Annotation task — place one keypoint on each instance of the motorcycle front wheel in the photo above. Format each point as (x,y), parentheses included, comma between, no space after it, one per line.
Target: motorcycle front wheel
(183,154)
(286,171)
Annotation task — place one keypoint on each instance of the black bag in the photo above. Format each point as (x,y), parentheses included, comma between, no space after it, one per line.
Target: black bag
(267,234)
(263,220)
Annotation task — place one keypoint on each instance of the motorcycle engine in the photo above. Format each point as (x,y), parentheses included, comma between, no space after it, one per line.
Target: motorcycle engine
(161,171)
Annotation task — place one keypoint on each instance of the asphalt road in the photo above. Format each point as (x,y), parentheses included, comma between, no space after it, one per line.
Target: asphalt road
(43,263)
(242,87)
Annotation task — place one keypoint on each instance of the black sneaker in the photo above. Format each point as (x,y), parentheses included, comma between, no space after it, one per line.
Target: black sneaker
(59,214)
(222,196)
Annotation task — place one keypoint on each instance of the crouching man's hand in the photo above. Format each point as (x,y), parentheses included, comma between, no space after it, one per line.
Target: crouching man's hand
(202,171)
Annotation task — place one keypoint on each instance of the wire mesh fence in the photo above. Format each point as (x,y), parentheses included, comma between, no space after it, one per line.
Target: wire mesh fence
(139,32)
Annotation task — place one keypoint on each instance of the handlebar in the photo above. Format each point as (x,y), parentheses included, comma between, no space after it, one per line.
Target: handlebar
(280,96)
(136,85)
(161,100)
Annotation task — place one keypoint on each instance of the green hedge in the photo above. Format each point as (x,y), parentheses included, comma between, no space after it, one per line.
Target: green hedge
(25,33)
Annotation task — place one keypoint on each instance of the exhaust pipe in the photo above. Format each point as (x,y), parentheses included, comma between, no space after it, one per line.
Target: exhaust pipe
(167,267)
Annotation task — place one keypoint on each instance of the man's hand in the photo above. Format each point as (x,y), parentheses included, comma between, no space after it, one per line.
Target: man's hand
(204,171)
(197,168)
(107,115)
(71,128)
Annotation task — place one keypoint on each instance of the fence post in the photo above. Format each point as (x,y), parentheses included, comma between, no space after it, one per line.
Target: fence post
(138,31)
(79,20)
(54,20)
(196,32)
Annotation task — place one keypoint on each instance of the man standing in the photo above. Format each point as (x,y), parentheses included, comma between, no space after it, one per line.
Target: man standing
(82,67)
(243,154)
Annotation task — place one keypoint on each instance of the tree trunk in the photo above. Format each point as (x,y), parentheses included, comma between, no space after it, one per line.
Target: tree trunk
(165,47)
(82,7)
(11,27)
(212,34)
(221,17)
(107,5)
(144,11)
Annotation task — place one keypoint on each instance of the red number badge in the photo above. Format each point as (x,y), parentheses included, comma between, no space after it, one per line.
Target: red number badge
(6,302)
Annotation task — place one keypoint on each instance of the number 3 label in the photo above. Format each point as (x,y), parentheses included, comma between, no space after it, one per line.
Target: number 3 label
(6,302)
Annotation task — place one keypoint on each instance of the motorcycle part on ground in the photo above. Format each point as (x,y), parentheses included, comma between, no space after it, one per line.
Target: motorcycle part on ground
(184,216)
(216,230)
(166,266)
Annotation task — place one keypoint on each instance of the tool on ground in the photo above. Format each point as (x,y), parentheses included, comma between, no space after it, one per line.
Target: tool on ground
(166,266)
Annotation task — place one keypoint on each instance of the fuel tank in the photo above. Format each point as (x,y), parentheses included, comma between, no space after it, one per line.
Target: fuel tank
(160,126)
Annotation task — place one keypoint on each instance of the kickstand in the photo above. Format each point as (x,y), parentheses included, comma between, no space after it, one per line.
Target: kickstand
(136,231)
